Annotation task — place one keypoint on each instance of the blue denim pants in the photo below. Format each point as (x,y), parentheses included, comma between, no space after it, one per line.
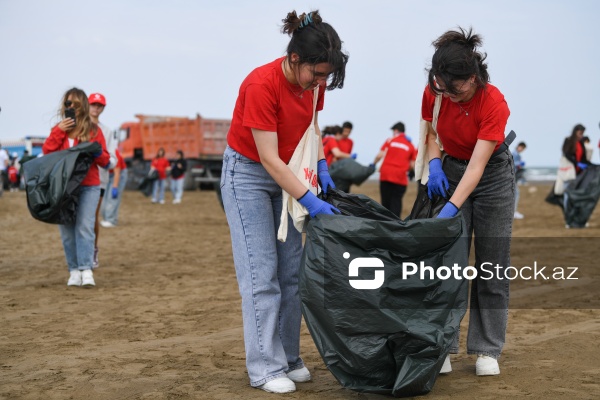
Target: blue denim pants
(177,188)
(266,269)
(158,190)
(78,238)
(110,207)
(488,213)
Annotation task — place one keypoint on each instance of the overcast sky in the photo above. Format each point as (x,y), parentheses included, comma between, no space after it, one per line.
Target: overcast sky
(181,57)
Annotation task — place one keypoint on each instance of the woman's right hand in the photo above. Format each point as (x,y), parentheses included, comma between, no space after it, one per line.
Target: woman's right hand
(437,183)
(66,124)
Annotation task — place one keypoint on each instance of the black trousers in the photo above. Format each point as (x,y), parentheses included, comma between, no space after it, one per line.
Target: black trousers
(391,196)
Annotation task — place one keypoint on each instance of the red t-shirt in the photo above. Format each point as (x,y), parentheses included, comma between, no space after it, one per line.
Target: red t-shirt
(459,132)
(160,165)
(59,140)
(329,143)
(395,166)
(120,162)
(267,101)
(345,145)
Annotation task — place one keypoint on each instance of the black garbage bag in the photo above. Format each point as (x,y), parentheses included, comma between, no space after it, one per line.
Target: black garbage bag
(347,172)
(424,207)
(392,336)
(52,182)
(146,184)
(580,197)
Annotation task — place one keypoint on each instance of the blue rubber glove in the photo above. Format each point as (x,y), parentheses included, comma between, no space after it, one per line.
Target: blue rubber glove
(522,164)
(98,154)
(324,177)
(316,206)
(115,193)
(353,156)
(438,183)
(581,165)
(408,138)
(448,211)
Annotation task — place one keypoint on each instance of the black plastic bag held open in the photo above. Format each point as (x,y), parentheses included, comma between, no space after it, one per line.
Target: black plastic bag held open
(378,328)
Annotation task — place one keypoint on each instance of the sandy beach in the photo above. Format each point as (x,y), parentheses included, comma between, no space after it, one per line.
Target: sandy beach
(164,319)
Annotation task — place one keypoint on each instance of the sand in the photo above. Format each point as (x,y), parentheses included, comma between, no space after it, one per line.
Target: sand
(164,320)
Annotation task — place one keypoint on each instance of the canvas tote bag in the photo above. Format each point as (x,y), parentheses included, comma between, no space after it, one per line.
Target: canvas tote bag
(304,165)
(421,164)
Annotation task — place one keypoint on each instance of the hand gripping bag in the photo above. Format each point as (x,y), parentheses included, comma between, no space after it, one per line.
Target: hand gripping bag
(52,182)
(377,331)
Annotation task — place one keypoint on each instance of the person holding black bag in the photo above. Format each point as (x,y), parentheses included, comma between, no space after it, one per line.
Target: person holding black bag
(78,238)
(476,176)
(276,110)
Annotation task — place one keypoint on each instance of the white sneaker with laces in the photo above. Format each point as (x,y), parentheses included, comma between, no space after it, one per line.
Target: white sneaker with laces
(446,367)
(486,365)
(74,278)
(518,215)
(107,224)
(279,385)
(299,375)
(87,278)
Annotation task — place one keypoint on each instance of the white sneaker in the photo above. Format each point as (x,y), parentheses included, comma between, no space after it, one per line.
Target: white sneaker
(107,224)
(446,367)
(74,278)
(518,215)
(486,365)
(176,201)
(162,202)
(279,385)
(87,278)
(299,375)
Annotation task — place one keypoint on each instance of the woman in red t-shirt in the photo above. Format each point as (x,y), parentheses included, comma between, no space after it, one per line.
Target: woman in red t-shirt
(78,238)
(273,110)
(161,165)
(478,177)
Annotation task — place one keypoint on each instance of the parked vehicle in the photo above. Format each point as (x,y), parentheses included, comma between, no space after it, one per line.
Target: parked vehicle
(202,141)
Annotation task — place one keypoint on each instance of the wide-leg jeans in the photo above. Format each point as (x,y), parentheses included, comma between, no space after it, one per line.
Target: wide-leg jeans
(78,238)
(488,213)
(266,269)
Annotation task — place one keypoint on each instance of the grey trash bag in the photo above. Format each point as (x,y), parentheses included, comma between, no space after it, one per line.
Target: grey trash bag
(52,182)
(388,339)
(347,172)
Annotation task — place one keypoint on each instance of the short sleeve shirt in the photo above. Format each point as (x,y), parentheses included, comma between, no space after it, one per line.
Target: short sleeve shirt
(487,116)
(268,102)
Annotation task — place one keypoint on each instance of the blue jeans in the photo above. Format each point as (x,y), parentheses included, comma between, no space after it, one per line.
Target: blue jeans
(110,206)
(488,213)
(158,190)
(78,239)
(266,269)
(177,188)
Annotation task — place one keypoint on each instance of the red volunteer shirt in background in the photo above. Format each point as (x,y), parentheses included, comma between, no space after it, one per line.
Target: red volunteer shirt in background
(329,143)
(488,113)
(267,101)
(120,162)
(396,164)
(160,165)
(59,140)
(345,145)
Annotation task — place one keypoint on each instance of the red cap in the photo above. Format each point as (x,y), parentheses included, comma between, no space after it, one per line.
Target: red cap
(97,98)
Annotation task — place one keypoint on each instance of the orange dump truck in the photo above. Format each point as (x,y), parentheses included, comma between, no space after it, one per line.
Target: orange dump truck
(202,141)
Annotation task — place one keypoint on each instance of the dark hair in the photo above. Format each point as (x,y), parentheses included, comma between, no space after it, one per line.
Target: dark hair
(316,42)
(180,153)
(570,144)
(399,126)
(522,144)
(347,124)
(456,58)
(336,130)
